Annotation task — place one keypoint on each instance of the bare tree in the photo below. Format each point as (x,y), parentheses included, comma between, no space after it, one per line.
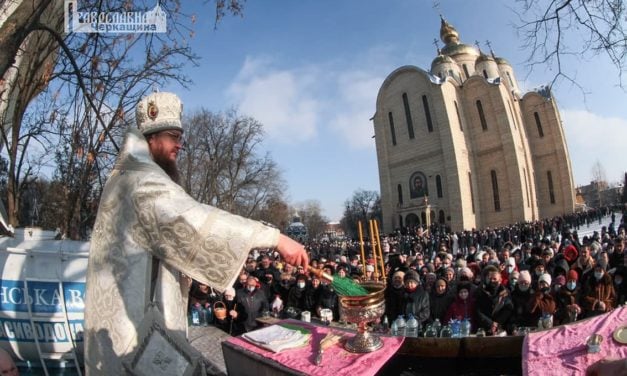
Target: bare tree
(223,166)
(99,78)
(363,206)
(598,174)
(311,215)
(555,30)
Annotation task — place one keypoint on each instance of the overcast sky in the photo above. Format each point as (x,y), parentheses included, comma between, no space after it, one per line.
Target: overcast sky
(310,72)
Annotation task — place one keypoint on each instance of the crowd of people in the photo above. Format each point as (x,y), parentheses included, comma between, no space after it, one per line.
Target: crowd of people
(501,279)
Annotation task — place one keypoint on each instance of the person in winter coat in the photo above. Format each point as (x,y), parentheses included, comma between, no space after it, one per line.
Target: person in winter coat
(312,293)
(463,307)
(394,293)
(254,302)
(328,299)
(297,295)
(494,303)
(568,300)
(598,293)
(415,299)
(542,302)
(521,294)
(233,322)
(440,299)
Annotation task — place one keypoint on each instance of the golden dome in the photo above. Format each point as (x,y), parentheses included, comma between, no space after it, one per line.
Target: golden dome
(484,57)
(442,59)
(448,34)
(450,37)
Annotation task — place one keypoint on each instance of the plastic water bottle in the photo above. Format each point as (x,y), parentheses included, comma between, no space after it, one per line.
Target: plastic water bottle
(202,316)
(446,332)
(437,327)
(195,315)
(430,332)
(412,326)
(385,325)
(465,327)
(394,328)
(209,310)
(401,325)
(456,328)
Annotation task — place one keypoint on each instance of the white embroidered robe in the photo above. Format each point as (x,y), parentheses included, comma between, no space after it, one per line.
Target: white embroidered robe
(142,214)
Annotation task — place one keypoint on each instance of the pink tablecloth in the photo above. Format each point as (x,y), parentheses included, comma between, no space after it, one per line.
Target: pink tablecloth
(563,351)
(336,361)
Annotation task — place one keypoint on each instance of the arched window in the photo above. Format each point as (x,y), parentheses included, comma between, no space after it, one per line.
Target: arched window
(495,191)
(424,217)
(538,124)
(466,70)
(438,185)
(392,131)
(484,124)
(441,217)
(551,192)
(459,118)
(485,74)
(400,194)
(526,186)
(511,83)
(425,104)
(410,124)
(472,195)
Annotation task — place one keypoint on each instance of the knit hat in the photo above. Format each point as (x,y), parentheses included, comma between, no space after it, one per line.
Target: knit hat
(159,112)
(460,263)
(546,277)
(511,261)
(230,291)
(370,268)
(560,280)
(570,253)
(573,275)
(467,272)
(514,275)
(412,276)
(524,277)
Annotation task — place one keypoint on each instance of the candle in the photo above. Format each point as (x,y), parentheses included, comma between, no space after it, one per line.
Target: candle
(361,245)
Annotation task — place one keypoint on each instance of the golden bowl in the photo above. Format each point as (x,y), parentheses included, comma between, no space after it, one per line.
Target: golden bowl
(361,310)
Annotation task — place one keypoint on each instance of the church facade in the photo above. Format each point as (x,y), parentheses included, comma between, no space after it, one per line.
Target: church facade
(460,145)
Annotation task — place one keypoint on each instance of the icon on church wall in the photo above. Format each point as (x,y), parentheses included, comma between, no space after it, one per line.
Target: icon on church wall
(418,185)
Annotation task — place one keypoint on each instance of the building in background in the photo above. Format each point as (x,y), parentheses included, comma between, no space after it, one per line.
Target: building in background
(599,194)
(460,145)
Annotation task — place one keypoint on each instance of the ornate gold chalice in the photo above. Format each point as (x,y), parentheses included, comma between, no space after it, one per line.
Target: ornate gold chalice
(361,310)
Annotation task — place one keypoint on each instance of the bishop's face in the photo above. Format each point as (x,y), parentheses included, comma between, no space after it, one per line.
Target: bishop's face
(165,145)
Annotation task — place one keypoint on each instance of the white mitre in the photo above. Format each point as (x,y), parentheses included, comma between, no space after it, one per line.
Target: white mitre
(159,112)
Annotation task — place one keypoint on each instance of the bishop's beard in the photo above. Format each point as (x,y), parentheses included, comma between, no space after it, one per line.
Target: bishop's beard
(168,166)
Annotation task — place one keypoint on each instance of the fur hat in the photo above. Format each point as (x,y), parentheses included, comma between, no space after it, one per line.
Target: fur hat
(524,276)
(412,276)
(229,291)
(159,112)
(546,277)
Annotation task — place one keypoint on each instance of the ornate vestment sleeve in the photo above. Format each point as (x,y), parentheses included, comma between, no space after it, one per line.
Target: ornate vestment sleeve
(206,243)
